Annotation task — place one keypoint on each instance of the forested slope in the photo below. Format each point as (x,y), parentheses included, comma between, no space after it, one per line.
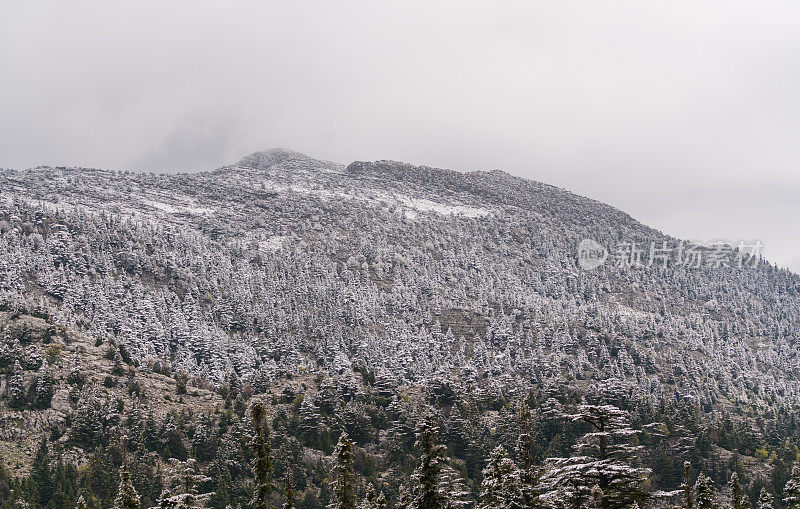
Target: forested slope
(457,294)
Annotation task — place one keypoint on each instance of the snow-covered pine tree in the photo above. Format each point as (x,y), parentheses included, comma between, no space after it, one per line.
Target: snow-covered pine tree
(233,384)
(262,465)
(309,421)
(385,385)
(705,493)
(17,394)
(792,488)
(738,499)
(606,457)
(404,496)
(165,501)
(44,386)
(223,483)
(765,500)
(426,494)
(126,498)
(454,489)
(325,398)
(87,420)
(500,488)
(380,502)
(187,482)
(81,504)
(370,499)
(343,477)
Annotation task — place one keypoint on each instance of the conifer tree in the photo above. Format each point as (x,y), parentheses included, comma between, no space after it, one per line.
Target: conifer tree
(99,479)
(233,383)
(792,488)
(404,496)
(289,504)
(44,386)
(704,489)
(686,486)
(738,500)
(165,500)
(380,502)
(326,399)
(127,498)
(223,483)
(371,498)
(309,419)
(81,504)
(596,497)
(426,494)
(453,489)
(17,395)
(605,457)
(529,473)
(765,500)
(500,488)
(262,468)
(187,482)
(42,474)
(64,479)
(343,477)
(4,481)
(87,424)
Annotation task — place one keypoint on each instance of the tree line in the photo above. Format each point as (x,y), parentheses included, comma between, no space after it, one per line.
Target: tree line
(604,472)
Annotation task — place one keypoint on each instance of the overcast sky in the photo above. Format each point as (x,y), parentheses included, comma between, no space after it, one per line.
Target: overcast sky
(685,114)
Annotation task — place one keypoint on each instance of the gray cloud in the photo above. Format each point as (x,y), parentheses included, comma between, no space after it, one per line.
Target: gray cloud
(684,114)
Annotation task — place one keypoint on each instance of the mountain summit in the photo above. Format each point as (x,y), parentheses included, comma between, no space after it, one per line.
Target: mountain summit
(282,157)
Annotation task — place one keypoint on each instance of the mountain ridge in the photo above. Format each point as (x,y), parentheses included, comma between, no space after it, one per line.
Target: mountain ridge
(380,290)
(398,170)
(461,223)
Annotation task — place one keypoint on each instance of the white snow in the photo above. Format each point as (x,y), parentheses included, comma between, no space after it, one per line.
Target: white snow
(424,205)
(375,196)
(169,209)
(272,244)
(181,209)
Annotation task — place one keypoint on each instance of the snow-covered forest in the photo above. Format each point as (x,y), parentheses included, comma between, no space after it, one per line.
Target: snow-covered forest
(370,307)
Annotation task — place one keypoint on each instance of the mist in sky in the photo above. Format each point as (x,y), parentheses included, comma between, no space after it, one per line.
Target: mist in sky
(685,114)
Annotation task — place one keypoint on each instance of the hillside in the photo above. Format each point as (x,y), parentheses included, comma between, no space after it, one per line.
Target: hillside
(282,262)
(393,284)
(73,362)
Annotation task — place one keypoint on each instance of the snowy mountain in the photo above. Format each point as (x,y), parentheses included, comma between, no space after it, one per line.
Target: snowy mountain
(282,264)
(471,339)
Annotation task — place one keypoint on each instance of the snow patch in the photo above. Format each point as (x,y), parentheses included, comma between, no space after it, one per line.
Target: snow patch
(375,196)
(199,211)
(171,209)
(424,205)
(272,244)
